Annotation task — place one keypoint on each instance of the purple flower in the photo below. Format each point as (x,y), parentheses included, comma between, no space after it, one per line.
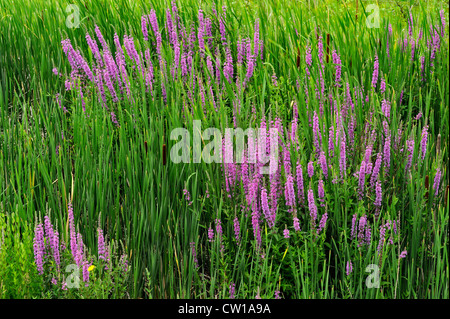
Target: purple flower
(353,233)
(331,142)
(300,188)
(308,57)
(218,227)
(194,254)
(316,132)
(386,108)
(312,207)
(101,39)
(410,148)
(361,180)
(441,13)
(79,253)
(322,222)
(210,234)
(437,180)
(232,290)
(114,119)
(296,224)
(378,196)
(375,72)
(321,192)
(423,142)
(200,32)
(236,229)
(342,160)
(323,164)
(101,244)
(320,49)
(337,65)
(348,268)
(123,262)
(310,169)
(56,254)
(289,192)
(38,247)
(387,152)
(286,233)
(86,273)
(95,51)
(265,208)
(403,254)
(418,116)
(73,239)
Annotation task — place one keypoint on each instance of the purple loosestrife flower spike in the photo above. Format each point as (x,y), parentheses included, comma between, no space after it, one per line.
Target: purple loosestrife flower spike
(73,239)
(321,192)
(232,290)
(144,27)
(337,65)
(289,192)
(86,273)
(300,187)
(49,233)
(320,50)
(210,234)
(296,224)
(387,152)
(194,254)
(410,148)
(437,181)
(256,39)
(277,294)
(265,208)
(353,233)
(376,169)
(38,247)
(423,142)
(343,159)
(201,32)
(101,39)
(348,268)
(79,255)
(286,233)
(382,85)
(386,108)
(95,51)
(362,172)
(403,254)
(312,207)
(56,254)
(322,222)
(378,197)
(375,72)
(236,229)
(101,244)
(310,169)
(316,131)
(323,164)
